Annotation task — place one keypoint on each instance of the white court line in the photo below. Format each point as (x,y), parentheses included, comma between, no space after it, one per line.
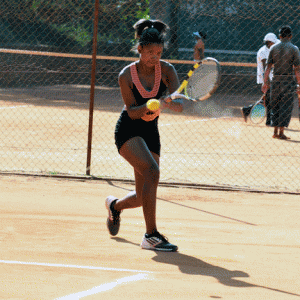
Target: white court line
(192,121)
(104,287)
(14,106)
(95,290)
(70,266)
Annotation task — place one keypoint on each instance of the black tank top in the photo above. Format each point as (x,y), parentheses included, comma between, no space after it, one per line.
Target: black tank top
(126,128)
(141,95)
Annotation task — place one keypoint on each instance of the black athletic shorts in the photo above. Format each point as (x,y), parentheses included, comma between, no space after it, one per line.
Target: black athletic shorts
(126,128)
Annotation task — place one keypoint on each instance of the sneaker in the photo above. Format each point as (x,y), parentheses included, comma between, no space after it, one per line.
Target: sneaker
(113,220)
(157,242)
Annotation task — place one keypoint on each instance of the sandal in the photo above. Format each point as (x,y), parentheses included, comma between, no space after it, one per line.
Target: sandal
(283,137)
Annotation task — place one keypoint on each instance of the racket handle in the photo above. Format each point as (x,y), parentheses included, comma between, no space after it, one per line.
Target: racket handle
(176,95)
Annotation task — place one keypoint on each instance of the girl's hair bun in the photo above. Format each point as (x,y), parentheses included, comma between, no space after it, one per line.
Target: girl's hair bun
(143,24)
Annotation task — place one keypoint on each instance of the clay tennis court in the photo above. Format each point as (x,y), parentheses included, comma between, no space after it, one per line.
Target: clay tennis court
(232,245)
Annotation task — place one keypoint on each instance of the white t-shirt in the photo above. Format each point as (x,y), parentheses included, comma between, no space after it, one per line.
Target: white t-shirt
(263,53)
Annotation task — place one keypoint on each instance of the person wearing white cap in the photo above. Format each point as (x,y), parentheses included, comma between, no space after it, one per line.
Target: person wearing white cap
(199,46)
(270,39)
(262,55)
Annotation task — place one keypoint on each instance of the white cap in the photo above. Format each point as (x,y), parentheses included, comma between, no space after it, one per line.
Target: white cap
(271,37)
(197,34)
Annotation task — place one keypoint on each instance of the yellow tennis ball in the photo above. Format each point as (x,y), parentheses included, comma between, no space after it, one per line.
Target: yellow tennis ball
(153,104)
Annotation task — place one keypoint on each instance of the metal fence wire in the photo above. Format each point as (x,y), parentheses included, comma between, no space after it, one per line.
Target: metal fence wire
(46,61)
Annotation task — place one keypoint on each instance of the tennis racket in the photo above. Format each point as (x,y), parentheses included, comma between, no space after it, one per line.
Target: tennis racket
(258,111)
(201,81)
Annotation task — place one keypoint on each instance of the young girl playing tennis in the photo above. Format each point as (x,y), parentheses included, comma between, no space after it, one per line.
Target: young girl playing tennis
(136,133)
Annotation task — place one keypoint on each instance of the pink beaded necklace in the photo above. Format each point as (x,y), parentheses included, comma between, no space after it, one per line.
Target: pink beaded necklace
(135,78)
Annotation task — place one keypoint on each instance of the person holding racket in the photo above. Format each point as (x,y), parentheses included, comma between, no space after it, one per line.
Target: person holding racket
(285,58)
(270,39)
(199,45)
(136,133)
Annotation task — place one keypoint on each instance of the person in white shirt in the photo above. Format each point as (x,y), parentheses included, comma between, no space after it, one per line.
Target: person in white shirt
(270,39)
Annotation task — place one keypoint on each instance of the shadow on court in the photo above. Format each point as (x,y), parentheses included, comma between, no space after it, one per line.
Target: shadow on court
(193,266)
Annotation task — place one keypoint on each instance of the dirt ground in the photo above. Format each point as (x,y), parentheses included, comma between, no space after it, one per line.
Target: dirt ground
(232,245)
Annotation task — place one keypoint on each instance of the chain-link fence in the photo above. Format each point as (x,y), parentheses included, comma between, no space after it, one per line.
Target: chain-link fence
(45,98)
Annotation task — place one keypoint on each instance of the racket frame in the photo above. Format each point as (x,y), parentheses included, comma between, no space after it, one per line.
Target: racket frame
(183,87)
(261,101)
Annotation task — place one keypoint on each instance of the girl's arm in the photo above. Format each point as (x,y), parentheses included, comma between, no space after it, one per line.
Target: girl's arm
(171,80)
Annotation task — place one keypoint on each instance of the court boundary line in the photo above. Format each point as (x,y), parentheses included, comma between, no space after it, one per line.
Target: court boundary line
(174,184)
(94,290)
(9,107)
(104,287)
(192,121)
(52,265)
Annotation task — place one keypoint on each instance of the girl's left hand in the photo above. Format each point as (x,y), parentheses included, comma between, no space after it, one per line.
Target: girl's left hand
(166,99)
(164,104)
(150,116)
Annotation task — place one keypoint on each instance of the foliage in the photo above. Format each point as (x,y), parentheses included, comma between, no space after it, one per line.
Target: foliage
(69,23)
(237,25)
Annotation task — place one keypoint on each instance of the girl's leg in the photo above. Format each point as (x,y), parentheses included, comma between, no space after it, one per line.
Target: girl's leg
(131,200)
(146,168)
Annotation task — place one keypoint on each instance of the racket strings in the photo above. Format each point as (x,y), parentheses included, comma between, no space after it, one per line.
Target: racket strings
(202,81)
(258,113)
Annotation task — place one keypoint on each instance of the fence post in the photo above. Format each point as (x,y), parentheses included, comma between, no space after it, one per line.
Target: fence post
(92,91)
